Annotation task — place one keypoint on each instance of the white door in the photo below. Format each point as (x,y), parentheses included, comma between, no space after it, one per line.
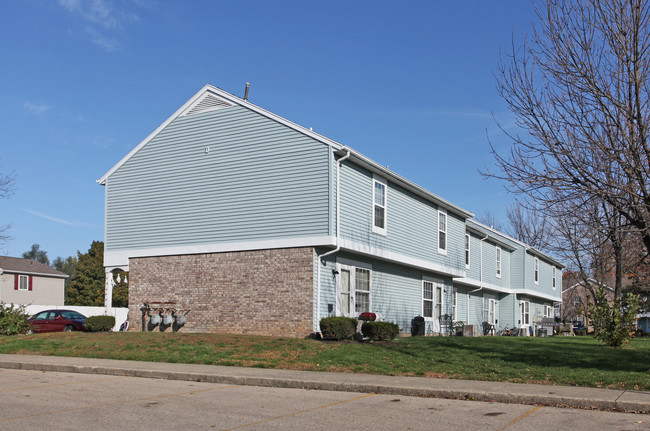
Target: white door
(346,297)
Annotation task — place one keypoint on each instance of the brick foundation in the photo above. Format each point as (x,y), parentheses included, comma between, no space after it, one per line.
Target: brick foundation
(262,292)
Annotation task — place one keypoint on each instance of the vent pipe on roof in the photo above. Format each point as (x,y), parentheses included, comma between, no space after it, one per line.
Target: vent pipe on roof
(248,84)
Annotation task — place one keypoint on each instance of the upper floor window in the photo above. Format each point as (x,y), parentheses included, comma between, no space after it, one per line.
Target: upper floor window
(536,271)
(467,251)
(498,263)
(442,232)
(379,206)
(554,279)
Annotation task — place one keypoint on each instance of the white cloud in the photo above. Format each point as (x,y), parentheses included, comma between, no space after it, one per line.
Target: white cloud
(103,22)
(57,220)
(36,108)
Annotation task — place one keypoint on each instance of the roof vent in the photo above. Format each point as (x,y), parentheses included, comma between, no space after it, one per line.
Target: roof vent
(209,102)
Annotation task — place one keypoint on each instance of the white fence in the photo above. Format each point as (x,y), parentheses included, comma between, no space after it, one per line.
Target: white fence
(119,313)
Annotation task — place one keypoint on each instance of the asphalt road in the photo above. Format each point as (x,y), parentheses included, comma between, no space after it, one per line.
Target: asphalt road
(37,400)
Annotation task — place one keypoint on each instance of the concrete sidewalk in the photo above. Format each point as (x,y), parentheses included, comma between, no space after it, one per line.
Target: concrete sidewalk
(631,401)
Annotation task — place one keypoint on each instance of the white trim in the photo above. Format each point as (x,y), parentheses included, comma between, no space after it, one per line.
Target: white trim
(376,229)
(499,259)
(443,250)
(400,258)
(489,286)
(536,270)
(120,258)
(352,270)
(468,251)
(38,274)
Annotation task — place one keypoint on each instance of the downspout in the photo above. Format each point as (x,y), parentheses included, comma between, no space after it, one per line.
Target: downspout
(338,232)
(480,275)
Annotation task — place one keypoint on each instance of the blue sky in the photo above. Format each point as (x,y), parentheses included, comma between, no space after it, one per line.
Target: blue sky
(408,84)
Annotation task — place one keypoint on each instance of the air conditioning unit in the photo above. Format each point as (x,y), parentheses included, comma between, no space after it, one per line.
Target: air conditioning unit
(470,330)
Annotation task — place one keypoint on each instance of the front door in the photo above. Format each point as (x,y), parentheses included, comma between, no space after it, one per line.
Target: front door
(346,298)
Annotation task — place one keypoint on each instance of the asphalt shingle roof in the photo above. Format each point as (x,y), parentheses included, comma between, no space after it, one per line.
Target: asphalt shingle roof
(28,266)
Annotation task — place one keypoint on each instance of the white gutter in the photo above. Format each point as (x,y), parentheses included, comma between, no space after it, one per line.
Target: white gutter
(480,275)
(338,234)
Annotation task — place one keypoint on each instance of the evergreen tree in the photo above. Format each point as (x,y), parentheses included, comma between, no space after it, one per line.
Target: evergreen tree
(66,266)
(87,284)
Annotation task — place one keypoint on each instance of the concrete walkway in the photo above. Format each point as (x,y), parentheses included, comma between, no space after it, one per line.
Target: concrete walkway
(569,396)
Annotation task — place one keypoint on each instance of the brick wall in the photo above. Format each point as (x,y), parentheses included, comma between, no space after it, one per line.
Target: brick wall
(263,292)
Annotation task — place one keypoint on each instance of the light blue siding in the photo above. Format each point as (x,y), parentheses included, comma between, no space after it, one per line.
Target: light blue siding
(411,222)
(259,180)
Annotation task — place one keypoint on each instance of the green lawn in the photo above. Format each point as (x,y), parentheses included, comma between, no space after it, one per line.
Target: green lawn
(579,361)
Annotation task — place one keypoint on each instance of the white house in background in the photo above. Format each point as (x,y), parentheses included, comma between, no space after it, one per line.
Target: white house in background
(27,281)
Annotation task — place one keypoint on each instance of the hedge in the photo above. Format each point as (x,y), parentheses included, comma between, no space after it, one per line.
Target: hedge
(338,328)
(100,323)
(380,331)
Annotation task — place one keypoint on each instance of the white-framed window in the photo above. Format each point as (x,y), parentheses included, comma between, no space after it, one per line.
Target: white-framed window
(454,306)
(438,301)
(362,290)
(489,310)
(467,251)
(554,279)
(536,271)
(548,310)
(23,282)
(498,263)
(427,299)
(442,232)
(354,291)
(379,198)
(524,313)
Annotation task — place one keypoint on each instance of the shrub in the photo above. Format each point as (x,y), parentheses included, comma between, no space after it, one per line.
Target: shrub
(581,332)
(614,324)
(13,319)
(100,323)
(380,331)
(338,328)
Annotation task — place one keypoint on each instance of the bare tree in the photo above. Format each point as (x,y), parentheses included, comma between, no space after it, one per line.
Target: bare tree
(528,225)
(579,88)
(489,219)
(6,189)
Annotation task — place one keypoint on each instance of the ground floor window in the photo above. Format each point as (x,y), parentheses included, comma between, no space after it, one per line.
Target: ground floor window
(454,305)
(427,299)
(489,310)
(354,294)
(548,310)
(524,313)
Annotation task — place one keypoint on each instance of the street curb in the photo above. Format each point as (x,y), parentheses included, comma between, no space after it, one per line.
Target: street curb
(512,393)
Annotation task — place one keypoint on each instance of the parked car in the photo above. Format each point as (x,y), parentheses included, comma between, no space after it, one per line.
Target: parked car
(57,320)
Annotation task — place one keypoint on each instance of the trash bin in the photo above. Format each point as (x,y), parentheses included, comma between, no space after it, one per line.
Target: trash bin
(417,326)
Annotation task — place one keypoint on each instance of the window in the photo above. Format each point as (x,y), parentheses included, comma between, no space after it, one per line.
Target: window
(379,206)
(23,282)
(554,279)
(467,251)
(548,311)
(498,262)
(362,290)
(524,313)
(536,271)
(454,313)
(353,287)
(489,310)
(427,299)
(442,232)
(438,301)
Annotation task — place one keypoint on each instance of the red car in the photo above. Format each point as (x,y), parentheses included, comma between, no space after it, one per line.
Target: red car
(57,320)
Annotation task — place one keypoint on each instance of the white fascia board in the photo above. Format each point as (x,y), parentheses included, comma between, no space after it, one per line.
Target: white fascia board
(375,167)
(233,99)
(402,259)
(496,288)
(494,238)
(120,258)
(537,294)
(534,252)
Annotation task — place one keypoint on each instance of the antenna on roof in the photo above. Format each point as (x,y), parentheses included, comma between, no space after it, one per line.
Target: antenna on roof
(248,84)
